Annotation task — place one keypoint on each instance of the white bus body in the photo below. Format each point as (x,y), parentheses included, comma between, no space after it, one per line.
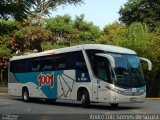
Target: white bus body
(87,73)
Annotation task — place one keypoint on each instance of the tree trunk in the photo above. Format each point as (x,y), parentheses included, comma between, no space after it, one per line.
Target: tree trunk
(42,10)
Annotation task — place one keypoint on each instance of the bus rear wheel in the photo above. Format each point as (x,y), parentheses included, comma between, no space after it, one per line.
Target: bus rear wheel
(85,101)
(25,95)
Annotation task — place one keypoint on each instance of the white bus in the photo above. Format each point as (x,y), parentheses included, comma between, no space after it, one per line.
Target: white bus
(86,73)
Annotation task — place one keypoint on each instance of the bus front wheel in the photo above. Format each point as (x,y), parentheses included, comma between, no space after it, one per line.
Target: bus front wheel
(25,95)
(85,101)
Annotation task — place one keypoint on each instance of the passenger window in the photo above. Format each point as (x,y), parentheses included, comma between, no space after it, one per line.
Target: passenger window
(82,74)
(80,63)
(60,62)
(20,66)
(47,64)
(36,65)
(13,66)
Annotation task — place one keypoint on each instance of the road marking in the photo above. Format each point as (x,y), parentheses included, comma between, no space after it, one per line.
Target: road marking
(152,98)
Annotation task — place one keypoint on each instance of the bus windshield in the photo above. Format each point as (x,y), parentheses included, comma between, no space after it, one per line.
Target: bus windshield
(128,72)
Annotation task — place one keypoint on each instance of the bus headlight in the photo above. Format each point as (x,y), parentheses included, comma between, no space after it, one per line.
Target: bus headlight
(129,92)
(113,88)
(114,98)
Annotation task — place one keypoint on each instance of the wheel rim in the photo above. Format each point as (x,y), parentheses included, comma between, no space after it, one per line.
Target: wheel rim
(25,96)
(83,98)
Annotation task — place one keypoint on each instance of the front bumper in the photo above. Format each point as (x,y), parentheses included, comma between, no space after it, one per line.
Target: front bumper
(119,98)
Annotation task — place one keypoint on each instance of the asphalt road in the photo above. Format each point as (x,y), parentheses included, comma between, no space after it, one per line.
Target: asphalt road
(10,104)
(13,105)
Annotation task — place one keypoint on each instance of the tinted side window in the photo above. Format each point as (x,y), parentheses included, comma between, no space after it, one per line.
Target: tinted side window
(75,60)
(92,58)
(60,62)
(12,66)
(82,74)
(70,60)
(44,63)
(91,53)
(36,64)
(32,64)
(101,70)
(47,63)
(100,65)
(80,63)
(20,66)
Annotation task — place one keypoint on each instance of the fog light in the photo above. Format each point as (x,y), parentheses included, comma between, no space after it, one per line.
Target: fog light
(114,98)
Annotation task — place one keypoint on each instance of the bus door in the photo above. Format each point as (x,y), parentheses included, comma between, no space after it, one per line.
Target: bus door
(103,75)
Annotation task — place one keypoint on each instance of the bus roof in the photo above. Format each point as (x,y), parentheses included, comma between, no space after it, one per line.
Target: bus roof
(108,48)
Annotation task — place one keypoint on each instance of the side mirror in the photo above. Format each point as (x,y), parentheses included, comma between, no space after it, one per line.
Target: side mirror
(148,61)
(109,57)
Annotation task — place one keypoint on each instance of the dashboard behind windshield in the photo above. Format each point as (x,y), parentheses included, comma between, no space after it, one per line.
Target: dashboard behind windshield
(128,71)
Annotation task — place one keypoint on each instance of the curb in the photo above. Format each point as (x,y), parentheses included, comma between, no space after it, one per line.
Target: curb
(4,94)
(152,98)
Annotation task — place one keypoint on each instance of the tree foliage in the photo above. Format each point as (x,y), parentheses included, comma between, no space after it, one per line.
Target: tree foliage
(62,27)
(72,32)
(5,53)
(144,11)
(61,30)
(29,38)
(3,67)
(18,9)
(87,31)
(114,34)
(8,27)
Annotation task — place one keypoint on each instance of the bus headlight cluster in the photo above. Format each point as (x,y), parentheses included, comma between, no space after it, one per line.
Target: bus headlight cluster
(113,88)
(117,90)
(128,92)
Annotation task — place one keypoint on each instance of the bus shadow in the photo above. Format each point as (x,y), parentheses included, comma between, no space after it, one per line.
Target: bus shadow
(77,104)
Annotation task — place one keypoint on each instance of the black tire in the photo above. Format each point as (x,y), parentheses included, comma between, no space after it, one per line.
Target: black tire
(114,105)
(85,101)
(25,95)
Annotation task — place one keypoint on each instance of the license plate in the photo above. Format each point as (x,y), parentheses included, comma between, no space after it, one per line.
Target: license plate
(133,99)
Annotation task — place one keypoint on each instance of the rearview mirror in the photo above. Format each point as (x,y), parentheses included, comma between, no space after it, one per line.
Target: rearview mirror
(109,57)
(148,61)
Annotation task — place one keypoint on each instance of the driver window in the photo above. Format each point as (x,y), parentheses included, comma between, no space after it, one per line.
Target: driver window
(101,68)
